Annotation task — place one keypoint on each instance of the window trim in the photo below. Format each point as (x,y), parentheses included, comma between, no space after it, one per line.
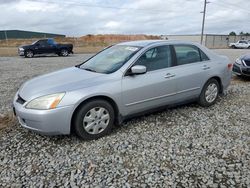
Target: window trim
(127,72)
(43,42)
(208,59)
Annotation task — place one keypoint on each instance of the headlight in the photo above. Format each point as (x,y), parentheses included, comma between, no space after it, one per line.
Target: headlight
(238,61)
(46,102)
(21,49)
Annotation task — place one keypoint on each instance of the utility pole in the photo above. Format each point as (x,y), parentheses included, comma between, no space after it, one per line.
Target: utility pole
(7,42)
(6,37)
(203,21)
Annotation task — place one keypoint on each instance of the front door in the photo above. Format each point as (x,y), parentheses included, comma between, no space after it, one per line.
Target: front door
(154,88)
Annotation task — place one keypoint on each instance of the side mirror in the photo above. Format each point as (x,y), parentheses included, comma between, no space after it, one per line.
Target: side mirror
(138,69)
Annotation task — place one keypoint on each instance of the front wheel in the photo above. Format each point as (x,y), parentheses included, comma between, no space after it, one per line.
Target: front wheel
(209,93)
(29,54)
(94,120)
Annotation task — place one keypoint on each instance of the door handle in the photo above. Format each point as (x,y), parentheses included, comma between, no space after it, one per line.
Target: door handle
(169,75)
(205,67)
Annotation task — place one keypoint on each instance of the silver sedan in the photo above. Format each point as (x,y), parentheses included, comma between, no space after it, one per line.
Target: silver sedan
(119,82)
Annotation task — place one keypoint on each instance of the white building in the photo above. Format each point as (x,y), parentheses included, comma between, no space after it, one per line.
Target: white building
(209,40)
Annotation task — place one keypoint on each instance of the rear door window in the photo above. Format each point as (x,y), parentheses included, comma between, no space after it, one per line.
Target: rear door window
(50,41)
(186,54)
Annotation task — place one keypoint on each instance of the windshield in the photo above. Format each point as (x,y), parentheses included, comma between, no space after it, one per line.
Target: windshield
(110,59)
(35,42)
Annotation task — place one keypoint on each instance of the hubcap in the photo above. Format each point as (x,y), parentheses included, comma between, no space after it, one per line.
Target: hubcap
(211,92)
(96,120)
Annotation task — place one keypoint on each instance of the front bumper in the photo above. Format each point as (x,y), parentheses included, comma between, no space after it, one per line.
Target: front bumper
(241,70)
(48,122)
(20,52)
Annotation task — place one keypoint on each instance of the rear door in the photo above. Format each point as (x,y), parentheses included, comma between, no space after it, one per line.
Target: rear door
(242,44)
(154,88)
(51,46)
(192,71)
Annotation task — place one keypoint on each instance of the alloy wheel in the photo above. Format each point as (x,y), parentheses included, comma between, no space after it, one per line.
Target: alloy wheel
(29,54)
(211,92)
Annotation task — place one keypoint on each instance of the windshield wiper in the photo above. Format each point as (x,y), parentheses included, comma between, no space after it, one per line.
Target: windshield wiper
(88,69)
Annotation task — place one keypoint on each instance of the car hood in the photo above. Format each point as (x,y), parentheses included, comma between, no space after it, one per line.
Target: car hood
(246,57)
(25,46)
(60,81)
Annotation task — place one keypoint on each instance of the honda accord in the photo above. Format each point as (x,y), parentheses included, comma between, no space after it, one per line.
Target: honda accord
(119,82)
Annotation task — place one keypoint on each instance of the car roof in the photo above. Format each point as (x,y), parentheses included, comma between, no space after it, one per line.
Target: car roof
(141,43)
(144,43)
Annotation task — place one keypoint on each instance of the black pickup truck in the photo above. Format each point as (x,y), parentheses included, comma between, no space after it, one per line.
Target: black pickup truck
(45,46)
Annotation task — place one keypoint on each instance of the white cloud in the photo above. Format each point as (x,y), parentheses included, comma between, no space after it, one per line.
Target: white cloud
(112,25)
(28,6)
(76,17)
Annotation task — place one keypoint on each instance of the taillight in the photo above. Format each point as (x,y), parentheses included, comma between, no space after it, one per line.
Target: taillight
(230,66)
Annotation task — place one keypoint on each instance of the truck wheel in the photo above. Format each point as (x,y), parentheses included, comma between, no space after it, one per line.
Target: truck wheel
(94,119)
(29,54)
(234,47)
(64,52)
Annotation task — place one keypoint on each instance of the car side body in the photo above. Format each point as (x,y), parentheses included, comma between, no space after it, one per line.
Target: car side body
(241,66)
(127,93)
(45,46)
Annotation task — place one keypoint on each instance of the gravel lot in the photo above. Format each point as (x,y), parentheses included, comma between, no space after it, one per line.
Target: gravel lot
(186,146)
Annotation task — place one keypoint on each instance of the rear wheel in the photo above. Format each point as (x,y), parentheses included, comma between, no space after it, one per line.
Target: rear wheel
(29,54)
(94,120)
(209,93)
(64,52)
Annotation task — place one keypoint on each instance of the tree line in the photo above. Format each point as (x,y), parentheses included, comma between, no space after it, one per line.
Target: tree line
(232,33)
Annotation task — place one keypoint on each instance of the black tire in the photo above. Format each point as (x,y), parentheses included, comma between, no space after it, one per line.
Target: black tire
(239,76)
(64,52)
(29,54)
(234,47)
(82,112)
(202,98)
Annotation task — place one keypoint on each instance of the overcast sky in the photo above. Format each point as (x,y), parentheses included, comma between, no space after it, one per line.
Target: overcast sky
(81,17)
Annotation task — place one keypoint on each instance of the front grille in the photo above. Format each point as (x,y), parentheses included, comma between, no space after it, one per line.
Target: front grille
(20,100)
(246,72)
(247,62)
(236,69)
